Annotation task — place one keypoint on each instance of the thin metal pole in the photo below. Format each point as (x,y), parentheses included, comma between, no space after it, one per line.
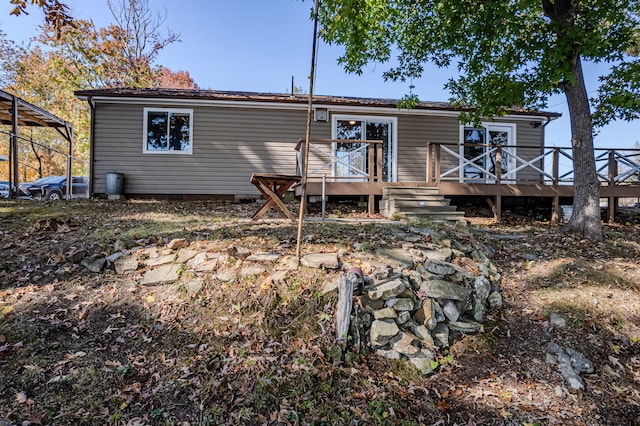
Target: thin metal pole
(324,195)
(15,181)
(305,146)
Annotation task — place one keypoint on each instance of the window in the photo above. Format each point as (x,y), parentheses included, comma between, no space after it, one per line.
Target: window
(168,131)
(478,152)
(353,156)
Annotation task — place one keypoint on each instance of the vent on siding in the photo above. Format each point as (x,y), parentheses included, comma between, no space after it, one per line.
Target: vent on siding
(320,114)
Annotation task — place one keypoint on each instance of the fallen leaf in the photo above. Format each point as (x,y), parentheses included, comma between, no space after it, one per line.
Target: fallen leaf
(7,310)
(151,298)
(21,397)
(444,406)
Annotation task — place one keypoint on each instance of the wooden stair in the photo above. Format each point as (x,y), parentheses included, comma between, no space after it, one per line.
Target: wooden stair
(418,203)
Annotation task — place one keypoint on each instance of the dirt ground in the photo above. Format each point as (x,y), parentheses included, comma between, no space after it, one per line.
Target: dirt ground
(78,347)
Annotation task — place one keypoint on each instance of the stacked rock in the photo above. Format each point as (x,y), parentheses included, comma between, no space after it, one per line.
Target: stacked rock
(410,313)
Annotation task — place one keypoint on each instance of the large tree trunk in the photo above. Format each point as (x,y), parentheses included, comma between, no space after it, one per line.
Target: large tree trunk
(585,218)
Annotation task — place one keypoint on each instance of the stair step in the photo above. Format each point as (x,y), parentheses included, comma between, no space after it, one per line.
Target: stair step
(443,216)
(401,190)
(402,203)
(416,202)
(428,209)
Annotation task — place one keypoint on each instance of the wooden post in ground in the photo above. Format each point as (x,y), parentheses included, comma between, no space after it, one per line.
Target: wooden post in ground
(343,309)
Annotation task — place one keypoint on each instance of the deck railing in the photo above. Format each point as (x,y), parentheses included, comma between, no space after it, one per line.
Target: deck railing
(446,162)
(357,161)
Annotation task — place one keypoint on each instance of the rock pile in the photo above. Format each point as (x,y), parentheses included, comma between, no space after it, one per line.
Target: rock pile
(416,292)
(441,287)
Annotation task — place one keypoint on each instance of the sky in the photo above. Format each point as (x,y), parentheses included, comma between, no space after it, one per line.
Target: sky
(259,45)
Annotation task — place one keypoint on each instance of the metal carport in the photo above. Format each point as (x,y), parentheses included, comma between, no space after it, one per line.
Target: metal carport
(16,112)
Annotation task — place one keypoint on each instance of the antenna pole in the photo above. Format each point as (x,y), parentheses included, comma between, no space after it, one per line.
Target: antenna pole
(305,145)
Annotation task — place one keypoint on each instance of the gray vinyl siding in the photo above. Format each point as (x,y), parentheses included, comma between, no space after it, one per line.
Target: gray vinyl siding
(229,144)
(232,142)
(414,132)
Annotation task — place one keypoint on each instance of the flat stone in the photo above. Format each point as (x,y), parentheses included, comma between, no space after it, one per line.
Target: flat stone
(450,310)
(113,257)
(403,343)
(557,320)
(126,265)
(163,274)
(207,266)
(371,305)
(328,287)
(119,245)
(440,268)
(290,263)
(495,300)
(442,254)
(382,331)
(185,255)
(441,335)
(467,327)
(386,290)
(386,353)
(278,277)
(264,257)
(385,313)
(197,259)
(226,275)
(76,256)
(426,315)
(579,362)
(479,309)
(438,313)
(320,260)
(423,364)
(400,304)
(396,258)
(440,289)
(95,263)
(422,333)
(252,271)
(194,287)
(178,243)
(403,317)
(238,252)
(161,260)
(482,287)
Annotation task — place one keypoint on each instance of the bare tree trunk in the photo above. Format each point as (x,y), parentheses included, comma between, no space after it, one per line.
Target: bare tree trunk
(585,218)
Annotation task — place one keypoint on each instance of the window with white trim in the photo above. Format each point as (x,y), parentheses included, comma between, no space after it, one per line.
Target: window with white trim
(168,131)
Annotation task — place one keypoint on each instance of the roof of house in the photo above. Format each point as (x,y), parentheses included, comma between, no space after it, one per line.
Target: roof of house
(280,98)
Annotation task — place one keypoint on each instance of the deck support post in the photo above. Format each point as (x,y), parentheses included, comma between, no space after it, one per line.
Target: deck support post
(612,202)
(496,207)
(612,206)
(555,209)
(555,214)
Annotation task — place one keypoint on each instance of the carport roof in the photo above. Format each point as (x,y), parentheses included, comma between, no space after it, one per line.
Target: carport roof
(30,115)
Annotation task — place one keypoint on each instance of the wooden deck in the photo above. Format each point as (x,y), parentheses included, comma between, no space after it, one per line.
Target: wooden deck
(540,172)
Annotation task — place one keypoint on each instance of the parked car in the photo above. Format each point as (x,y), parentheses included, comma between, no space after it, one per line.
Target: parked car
(4,189)
(55,187)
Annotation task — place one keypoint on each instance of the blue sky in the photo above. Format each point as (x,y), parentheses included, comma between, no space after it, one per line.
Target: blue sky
(258,45)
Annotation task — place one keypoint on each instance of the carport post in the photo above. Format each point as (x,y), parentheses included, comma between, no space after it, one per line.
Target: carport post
(70,163)
(13,189)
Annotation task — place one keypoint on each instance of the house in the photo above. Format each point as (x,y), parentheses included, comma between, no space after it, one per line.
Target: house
(204,143)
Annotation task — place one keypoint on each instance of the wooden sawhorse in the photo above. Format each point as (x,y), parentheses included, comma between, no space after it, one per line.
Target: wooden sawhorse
(272,187)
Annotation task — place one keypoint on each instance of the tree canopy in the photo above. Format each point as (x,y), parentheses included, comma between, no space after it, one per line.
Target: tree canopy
(507,53)
(82,56)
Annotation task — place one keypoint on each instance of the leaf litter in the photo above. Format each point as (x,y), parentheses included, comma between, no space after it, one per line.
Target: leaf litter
(86,348)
